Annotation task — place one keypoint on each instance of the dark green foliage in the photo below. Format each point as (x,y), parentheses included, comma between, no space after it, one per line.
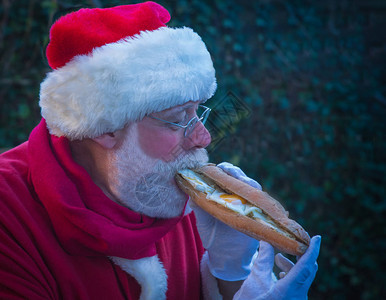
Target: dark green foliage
(312,76)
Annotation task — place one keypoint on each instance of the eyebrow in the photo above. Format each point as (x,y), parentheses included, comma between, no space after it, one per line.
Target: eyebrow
(177,110)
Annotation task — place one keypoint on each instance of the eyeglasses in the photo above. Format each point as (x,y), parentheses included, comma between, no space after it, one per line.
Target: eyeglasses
(189,127)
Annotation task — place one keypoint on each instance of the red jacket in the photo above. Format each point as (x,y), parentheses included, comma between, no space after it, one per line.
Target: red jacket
(57,229)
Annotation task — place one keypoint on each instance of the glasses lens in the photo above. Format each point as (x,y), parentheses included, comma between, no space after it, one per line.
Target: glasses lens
(205,115)
(203,112)
(190,126)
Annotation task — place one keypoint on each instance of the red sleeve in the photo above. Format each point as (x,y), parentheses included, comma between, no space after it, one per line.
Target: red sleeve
(20,277)
(22,271)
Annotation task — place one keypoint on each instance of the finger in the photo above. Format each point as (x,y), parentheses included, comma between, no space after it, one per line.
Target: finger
(237,173)
(251,182)
(305,269)
(225,165)
(231,169)
(312,252)
(282,275)
(264,261)
(283,263)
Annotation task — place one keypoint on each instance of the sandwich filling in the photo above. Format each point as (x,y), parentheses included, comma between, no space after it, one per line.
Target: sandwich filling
(231,201)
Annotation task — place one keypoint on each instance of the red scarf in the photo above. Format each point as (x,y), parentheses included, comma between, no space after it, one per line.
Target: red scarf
(85,220)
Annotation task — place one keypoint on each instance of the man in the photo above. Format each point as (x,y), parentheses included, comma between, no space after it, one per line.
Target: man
(89,207)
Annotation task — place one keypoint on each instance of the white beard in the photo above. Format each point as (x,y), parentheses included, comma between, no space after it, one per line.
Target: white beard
(146,185)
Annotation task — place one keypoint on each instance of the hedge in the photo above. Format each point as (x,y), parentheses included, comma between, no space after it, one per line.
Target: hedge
(300,106)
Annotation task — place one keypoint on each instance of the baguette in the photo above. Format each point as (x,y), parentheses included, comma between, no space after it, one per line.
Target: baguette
(243,207)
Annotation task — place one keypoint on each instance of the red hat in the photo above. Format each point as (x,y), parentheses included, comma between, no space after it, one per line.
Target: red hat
(79,33)
(116,65)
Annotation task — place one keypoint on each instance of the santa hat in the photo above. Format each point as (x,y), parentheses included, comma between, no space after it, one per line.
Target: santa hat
(116,65)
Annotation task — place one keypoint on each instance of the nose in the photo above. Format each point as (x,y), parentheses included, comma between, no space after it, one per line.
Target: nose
(199,138)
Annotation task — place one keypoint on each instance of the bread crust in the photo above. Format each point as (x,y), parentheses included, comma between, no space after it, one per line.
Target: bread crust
(294,240)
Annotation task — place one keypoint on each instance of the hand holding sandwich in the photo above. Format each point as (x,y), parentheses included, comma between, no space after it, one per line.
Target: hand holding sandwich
(261,285)
(216,195)
(230,251)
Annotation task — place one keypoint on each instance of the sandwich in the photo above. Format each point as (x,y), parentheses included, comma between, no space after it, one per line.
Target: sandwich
(243,207)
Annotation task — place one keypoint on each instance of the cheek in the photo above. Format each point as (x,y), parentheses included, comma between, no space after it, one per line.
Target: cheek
(157,142)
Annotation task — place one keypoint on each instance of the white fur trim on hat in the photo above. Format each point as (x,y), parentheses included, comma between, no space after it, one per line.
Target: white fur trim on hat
(150,274)
(126,80)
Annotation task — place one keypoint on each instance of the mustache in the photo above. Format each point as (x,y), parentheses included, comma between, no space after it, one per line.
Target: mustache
(155,191)
(191,160)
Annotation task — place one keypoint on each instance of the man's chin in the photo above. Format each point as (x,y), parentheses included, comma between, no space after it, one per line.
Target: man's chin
(156,194)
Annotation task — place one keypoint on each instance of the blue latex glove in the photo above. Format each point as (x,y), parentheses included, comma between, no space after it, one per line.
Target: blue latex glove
(230,252)
(239,174)
(295,280)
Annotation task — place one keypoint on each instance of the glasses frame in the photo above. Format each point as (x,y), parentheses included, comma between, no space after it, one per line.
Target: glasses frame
(192,122)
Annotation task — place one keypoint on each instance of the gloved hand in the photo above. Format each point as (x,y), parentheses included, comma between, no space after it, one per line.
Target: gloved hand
(236,172)
(230,252)
(260,284)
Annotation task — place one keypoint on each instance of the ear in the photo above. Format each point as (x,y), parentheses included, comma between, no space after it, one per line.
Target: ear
(107,140)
